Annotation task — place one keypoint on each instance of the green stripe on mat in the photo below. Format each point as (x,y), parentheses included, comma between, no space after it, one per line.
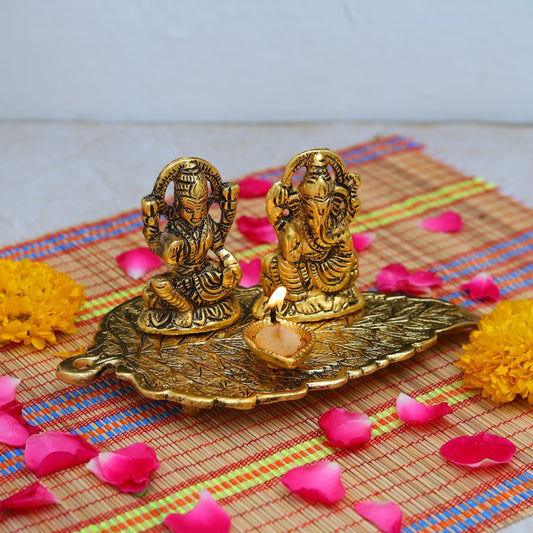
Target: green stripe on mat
(421,203)
(99,306)
(263,470)
(414,205)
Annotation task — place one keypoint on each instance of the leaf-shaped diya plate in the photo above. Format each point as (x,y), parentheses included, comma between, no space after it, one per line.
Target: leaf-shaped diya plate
(217,368)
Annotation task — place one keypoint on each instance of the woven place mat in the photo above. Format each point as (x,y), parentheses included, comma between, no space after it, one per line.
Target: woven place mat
(240,456)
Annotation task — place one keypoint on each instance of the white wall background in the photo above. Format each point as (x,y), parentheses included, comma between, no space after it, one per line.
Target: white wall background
(275,60)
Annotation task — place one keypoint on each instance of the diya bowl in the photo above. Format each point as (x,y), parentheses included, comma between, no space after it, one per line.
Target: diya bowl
(271,357)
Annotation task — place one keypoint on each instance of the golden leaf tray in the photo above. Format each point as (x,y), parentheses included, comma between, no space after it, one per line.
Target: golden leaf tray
(218,369)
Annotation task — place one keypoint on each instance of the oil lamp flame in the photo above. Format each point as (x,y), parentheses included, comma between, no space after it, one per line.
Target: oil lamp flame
(275,302)
(277,297)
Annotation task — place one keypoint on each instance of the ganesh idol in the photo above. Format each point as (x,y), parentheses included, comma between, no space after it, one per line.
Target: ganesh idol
(315,259)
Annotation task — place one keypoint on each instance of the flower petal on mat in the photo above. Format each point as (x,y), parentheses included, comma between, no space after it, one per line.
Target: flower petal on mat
(423,280)
(447,222)
(35,495)
(252,187)
(52,451)
(14,429)
(344,428)
(71,353)
(256,229)
(137,262)
(250,273)
(396,278)
(392,278)
(478,451)
(412,411)
(128,469)
(12,432)
(361,241)
(387,516)
(206,517)
(482,286)
(8,388)
(319,482)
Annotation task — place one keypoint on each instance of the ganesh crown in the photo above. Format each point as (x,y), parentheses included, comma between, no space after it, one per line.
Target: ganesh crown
(317,182)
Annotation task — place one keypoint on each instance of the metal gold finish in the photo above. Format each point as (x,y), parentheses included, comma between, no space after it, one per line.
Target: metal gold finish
(217,369)
(272,358)
(196,292)
(315,259)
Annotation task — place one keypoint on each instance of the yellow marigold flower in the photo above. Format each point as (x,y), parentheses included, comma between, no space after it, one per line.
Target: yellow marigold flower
(499,355)
(35,301)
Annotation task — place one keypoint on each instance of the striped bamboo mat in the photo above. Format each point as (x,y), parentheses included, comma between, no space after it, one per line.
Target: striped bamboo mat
(240,456)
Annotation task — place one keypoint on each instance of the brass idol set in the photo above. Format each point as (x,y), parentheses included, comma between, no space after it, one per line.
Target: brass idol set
(196,337)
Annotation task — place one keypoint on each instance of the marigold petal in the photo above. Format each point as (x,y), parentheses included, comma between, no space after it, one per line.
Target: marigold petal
(387,516)
(478,451)
(250,272)
(256,229)
(70,353)
(252,187)
(447,222)
(319,482)
(206,517)
(137,262)
(35,495)
(414,412)
(38,343)
(345,429)
(52,451)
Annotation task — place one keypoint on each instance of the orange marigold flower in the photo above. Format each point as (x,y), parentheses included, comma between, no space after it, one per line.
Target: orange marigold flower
(499,355)
(35,301)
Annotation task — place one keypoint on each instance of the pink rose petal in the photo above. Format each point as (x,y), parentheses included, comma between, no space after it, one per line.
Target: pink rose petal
(15,410)
(137,262)
(387,516)
(319,482)
(252,187)
(53,451)
(478,451)
(250,272)
(447,222)
(391,277)
(206,517)
(34,495)
(412,411)
(396,278)
(256,229)
(424,279)
(345,429)
(12,432)
(8,388)
(361,241)
(482,286)
(128,469)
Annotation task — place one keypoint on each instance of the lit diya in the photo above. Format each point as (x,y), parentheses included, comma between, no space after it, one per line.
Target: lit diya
(281,343)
